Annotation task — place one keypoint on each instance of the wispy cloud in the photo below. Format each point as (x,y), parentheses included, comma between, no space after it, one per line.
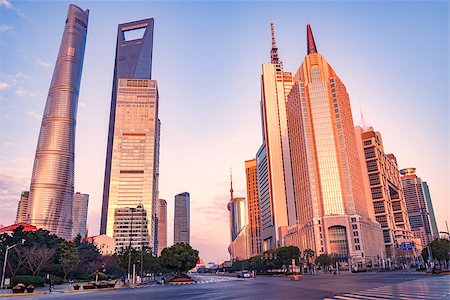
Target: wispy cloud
(43,64)
(21,92)
(5,3)
(82,104)
(3,86)
(14,178)
(8,5)
(34,115)
(6,28)
(7,145)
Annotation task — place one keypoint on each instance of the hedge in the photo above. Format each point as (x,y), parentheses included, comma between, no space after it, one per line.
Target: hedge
(27,279)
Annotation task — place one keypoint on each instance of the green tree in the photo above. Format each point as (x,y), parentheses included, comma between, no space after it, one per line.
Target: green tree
(440,249)
(179,258)
(287,254)
(68,257)
(258,263)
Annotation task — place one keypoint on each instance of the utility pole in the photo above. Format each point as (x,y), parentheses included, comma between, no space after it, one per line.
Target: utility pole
(129,247)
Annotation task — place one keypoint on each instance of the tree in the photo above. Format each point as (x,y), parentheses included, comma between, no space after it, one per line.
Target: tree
(37,257)
(68,257)
(287,254)
(179,258)
(440,249)
(258,263)
(323,260)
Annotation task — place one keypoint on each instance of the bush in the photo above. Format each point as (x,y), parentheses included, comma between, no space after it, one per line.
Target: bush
(27,280)
(57,279)
(101,276)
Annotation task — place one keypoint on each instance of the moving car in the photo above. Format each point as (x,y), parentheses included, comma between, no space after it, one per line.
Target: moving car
(244,274)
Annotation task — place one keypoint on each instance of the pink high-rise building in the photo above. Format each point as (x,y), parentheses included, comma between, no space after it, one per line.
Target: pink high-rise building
(333,215)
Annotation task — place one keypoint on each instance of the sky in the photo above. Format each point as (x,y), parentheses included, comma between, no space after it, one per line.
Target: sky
(392,57)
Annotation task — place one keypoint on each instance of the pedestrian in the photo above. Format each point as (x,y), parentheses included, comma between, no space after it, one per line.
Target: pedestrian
(51,287)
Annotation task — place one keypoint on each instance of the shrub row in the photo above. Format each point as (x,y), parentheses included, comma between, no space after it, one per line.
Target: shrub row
(28,279)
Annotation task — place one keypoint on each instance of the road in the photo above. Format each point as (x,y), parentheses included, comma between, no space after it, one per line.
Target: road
(390,285)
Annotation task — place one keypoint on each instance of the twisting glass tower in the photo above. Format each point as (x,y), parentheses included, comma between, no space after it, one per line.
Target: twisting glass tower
(51,191)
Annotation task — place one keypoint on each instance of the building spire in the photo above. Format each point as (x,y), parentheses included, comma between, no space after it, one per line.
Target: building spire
(310,39)
(274,51)
(231,183)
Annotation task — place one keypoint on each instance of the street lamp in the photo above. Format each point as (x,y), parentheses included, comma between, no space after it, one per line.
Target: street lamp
(6,258)
(129,247)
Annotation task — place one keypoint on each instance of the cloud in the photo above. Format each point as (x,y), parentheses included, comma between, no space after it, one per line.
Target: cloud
(3,86)
(24,93)
(82,104)
(34,115)
(5,3)
(13,79)
(8,5)
(42,63)
(12,181)
(7,145)
(5,28)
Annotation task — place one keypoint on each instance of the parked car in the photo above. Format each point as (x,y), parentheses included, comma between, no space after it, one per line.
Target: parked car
(244,274)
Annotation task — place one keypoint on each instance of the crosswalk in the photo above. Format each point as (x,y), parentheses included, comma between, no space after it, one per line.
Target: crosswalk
(198,280)
(425,289)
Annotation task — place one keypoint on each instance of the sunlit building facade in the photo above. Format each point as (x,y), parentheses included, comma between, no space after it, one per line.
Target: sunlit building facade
(434,228)
(254,229)
(22,207)
(416,204)
(130,227)
(52,180)
(132,158)
(162,225)
(333,215)
(182,219)
(79,214)
(238,216)
(386,190)
(277,194)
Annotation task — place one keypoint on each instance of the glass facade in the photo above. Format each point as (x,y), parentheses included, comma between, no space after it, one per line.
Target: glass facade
(182,219)
(79,214)
(337,236)
(52,180)
(132,158)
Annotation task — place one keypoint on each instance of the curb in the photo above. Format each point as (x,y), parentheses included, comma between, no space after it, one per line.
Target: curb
(176,283)
(21,294)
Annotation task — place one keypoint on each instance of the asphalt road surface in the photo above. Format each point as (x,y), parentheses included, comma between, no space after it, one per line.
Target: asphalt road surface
(389,285)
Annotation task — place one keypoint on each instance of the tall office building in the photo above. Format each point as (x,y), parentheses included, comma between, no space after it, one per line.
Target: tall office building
(416,204)
(386,190)
(333,215)
(130,228)
(277,205)
(79,214)
(162,225)
(434,228)
(22,207)
(181,219)
(52,180)
(132,157)
(254,229)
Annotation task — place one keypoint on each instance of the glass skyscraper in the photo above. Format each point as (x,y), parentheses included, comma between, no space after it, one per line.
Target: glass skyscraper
(274,174)
(132,158)
(333,213)
(181,219)
(52,180)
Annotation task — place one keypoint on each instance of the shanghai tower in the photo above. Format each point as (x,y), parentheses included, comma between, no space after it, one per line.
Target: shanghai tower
(52,180)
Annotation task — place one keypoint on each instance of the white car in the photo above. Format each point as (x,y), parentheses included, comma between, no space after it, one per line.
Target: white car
(244,274)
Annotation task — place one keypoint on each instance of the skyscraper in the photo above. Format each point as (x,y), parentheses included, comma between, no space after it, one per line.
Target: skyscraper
(416,204)
(434,228)
(22,207)
(79,214)
(132,157)
(386,190)
(162,225)
(254,229)
(331,206)
(52,180)
(238,216)
(181,219)
(276,194)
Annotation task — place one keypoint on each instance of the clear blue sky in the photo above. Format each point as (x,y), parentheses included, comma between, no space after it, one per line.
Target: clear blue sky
(392,56)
